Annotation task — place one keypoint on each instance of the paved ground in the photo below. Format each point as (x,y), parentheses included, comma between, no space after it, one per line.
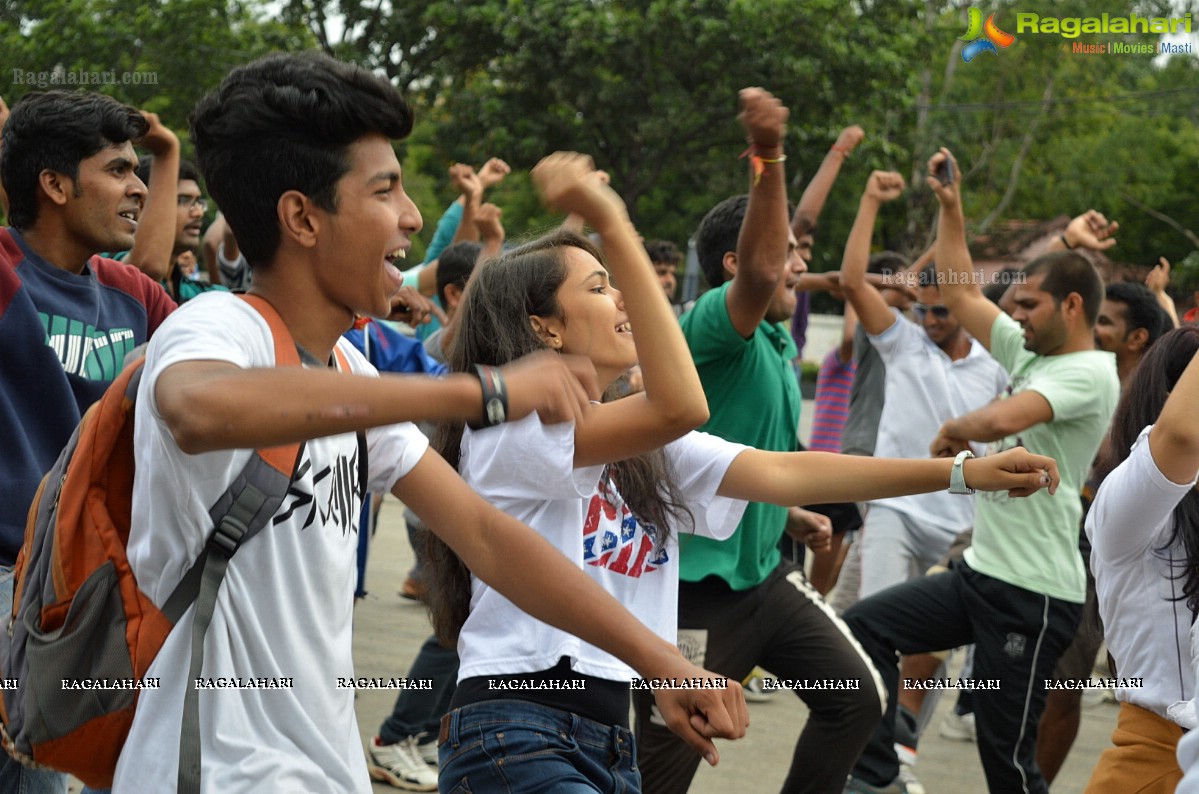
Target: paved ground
(390,630)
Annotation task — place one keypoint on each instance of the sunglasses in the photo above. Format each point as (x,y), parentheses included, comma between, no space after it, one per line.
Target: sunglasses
(919,310)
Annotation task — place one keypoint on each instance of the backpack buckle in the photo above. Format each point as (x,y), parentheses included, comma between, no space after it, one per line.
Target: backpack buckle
(228,535)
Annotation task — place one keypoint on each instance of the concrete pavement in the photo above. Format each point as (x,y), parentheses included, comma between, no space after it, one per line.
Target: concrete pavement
(389,631)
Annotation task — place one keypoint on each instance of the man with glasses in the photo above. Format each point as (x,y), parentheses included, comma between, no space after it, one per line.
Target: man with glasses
(934,372)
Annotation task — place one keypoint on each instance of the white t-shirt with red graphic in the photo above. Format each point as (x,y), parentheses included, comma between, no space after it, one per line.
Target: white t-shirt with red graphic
(526,469)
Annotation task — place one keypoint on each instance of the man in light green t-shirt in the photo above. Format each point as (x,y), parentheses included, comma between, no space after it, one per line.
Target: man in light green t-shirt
(1019,593)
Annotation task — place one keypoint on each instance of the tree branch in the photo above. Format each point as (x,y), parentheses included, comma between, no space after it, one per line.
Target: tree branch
(1166,219)
(1018,164)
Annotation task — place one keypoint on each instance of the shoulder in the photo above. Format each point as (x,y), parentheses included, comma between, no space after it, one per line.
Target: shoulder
(133,282)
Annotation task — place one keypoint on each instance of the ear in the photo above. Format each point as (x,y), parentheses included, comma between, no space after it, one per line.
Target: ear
(453,296)
(299,218)
(57,187)
(549,330)
(1136,339)
(1073,306)
(729,262)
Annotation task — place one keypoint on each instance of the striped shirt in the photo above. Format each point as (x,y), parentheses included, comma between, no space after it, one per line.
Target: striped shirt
(833,383)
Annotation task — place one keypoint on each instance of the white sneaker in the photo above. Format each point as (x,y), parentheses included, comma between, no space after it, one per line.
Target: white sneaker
(958,727)
(428,752)
(907,779)
(400,765)
(755,691)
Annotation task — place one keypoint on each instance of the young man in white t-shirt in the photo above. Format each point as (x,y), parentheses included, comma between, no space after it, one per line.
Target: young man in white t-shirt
(296,150)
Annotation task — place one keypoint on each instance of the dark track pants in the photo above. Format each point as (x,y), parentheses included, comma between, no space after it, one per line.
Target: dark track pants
(784,626)
(1018,636)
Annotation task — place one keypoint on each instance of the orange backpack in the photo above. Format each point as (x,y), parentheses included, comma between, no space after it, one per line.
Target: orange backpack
(78,613)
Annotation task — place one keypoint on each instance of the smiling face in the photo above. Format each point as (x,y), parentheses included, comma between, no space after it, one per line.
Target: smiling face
(942,328)
(360,243)
(782,305)
(104,203)
(592,319)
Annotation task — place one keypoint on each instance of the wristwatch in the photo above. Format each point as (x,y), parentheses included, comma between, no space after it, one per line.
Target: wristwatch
(957,479)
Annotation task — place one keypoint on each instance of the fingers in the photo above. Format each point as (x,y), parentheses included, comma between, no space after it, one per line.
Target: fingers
(763,116)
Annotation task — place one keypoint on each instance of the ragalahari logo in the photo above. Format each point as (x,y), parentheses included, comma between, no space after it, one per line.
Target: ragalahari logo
(983,37)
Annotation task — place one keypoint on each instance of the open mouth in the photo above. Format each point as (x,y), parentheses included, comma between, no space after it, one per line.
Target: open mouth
(396,255)
(129,215)
(624,328)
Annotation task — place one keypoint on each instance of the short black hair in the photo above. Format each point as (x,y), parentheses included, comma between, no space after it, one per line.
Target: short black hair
(56,130)
(886,263)
(1141,309)
(285,122)
(717,235)
(927,277)
(998,287)
(187,170)
(1065,272)
(664,252)
(455,264)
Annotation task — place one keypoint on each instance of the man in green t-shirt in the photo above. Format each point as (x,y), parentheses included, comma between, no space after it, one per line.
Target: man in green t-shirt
(1018,594)
(740,604)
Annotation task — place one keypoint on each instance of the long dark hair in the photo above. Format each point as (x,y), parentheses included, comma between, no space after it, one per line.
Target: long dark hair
(494,329)
(1141,404)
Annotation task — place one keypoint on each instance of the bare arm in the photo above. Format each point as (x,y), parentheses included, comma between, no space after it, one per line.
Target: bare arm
(796,478)
(491,230)
(551,589)
(209,246)
(468,184)
(1088,230)
(250,408)
(959,291)
(1157,281)
(673,401)
(873,312)
(154,241)
(848,326)
(811,203)
(996,420)
(1174,439)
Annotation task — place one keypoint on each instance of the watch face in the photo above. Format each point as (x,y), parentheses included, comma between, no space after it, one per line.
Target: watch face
(495,411)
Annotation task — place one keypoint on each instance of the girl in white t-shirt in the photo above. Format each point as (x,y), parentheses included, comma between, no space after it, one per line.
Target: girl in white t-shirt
(1144,531)
(535,707)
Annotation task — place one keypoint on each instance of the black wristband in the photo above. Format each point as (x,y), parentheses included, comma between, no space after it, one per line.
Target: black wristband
(1066,242)
(495,396)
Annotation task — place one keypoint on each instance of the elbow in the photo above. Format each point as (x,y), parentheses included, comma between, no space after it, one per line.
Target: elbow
(189,432)
(686,416)
(153,268)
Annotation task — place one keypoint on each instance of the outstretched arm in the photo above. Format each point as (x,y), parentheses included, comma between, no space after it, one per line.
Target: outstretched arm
(959,290)
(1174,439)
(763,242)
(796,478)
(1089,230)
(547,586)
(873,312)
(811,203)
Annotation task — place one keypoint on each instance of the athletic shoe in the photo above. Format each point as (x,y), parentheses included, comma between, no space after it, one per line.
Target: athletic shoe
(896,786)
(427,750)
(400,765)
(958,727)
(755,690)
(908,779)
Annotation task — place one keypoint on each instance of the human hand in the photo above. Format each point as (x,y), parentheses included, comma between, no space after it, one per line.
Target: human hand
(1091,230)
(159,140)
(493,172)
(1017,471)
(764,118)
(466,181)
(409,306)
(556,386)
(487,221)
(569,182)
(811,529)
(699,715)
(884,186)
(849,139)
(949,195)
(1159,278)
(186,262)
(947,446)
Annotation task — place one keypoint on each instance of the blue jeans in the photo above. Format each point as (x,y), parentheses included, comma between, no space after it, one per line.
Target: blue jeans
(14,778)
(418,712)
(513,745)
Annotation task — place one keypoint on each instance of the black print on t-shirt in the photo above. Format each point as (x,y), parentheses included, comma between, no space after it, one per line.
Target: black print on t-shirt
(335,491)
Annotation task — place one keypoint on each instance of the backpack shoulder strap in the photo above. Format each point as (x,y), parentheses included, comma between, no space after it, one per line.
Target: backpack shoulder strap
(245,508)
